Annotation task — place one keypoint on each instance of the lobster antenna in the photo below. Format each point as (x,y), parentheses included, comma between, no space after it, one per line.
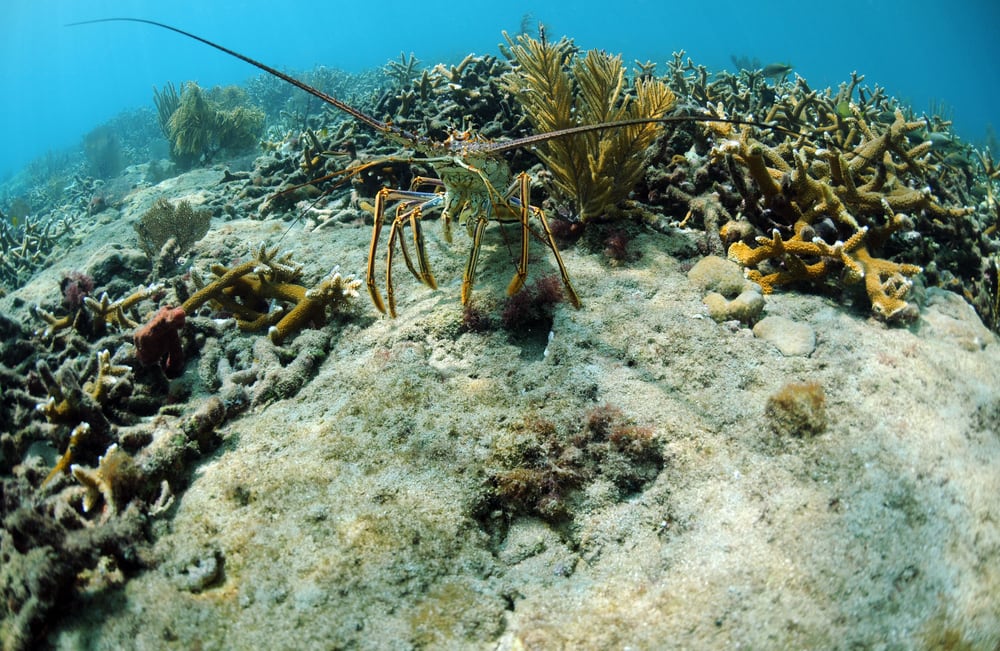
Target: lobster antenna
(361,116)
(483,147)
(534,139)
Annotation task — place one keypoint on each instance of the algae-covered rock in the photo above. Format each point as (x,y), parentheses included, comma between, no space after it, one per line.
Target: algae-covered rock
(789,337)
(730,296)
(745,308)
(715,274)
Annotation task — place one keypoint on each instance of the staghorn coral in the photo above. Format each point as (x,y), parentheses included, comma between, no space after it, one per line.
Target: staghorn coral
(833,207)
(404,71)
(69,402)
(247,289)
(857,147)
(112,482)
(886,282)
(26,246)
(597,169)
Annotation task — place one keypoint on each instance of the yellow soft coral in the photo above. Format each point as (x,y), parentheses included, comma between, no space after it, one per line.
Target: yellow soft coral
(596,169)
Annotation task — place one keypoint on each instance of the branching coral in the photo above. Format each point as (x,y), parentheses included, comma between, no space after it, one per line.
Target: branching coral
(404,71)
(246,290)
(68,402)
(111,482)
(26,247)
(886,282)
(597,169)
(834,207)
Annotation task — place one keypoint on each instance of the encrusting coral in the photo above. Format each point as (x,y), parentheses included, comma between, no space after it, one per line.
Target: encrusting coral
(598,169)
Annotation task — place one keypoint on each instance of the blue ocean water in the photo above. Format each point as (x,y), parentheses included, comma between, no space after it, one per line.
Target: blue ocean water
(60,82)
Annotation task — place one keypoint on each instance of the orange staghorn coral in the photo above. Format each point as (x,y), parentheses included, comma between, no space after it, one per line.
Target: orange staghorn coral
(886,282)
(246,291)
(836,207)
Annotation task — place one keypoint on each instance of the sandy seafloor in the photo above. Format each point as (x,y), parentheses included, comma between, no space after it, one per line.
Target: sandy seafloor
(350,516)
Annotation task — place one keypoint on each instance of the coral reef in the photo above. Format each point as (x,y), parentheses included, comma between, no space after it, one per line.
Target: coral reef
(92,450)
(595,170)
(25,247)
(863,193)
(850,196)
(101,421)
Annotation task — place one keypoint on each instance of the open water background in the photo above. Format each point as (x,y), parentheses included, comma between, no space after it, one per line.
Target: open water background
(60,82)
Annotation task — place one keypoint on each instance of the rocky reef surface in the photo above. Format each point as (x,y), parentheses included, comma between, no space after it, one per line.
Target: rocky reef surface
(212,442)
(369,510)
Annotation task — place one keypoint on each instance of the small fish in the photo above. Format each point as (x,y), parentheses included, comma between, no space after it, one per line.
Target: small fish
(774,70)
(940,140)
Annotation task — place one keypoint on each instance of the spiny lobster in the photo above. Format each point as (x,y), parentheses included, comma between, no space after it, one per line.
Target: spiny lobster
(475,186)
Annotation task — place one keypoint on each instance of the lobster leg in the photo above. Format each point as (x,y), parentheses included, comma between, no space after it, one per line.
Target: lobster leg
(390,291)
(425,276)
(470,267)
(419,181)
(376,296)
(526,210)
(424,201)
(521,273)
(570,292)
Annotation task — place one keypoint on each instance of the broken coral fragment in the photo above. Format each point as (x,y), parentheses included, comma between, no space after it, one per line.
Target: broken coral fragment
(111,482)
